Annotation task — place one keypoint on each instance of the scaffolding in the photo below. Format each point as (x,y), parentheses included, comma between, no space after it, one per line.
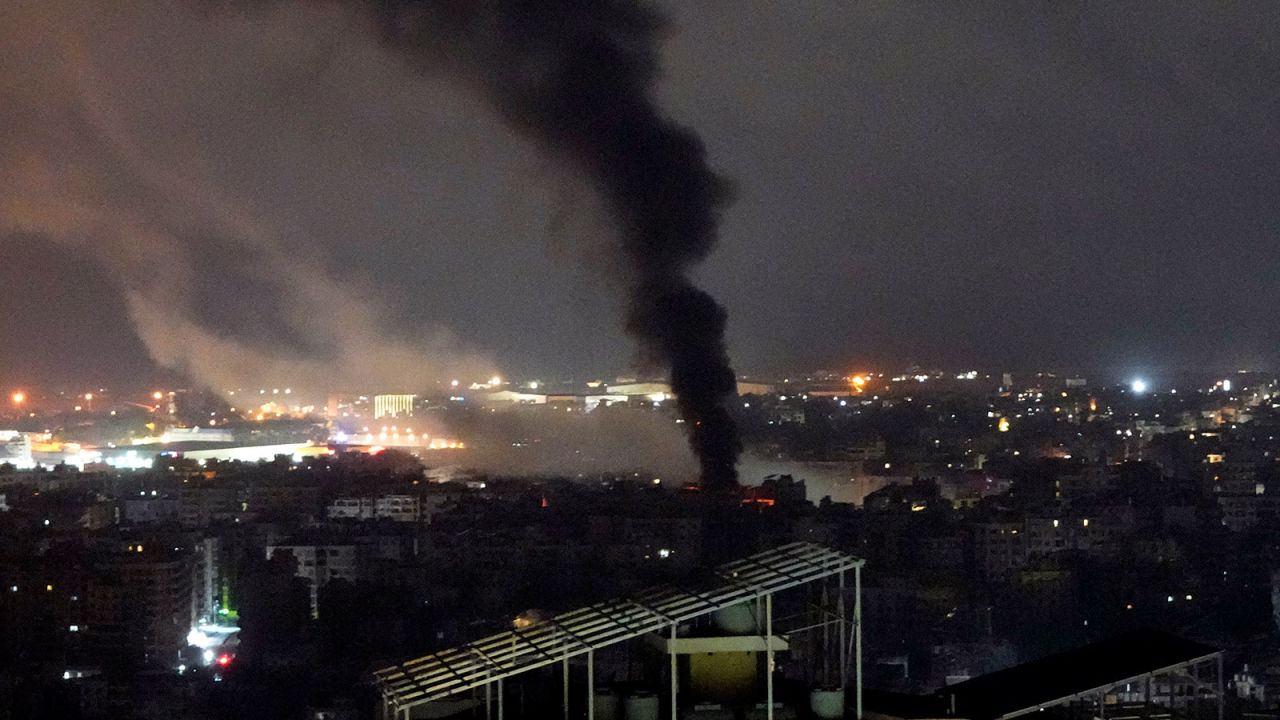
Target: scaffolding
(484,664)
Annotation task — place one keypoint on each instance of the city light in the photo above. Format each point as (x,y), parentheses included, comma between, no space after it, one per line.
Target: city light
(725,485)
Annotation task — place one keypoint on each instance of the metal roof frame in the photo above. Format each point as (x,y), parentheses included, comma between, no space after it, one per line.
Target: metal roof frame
(1077,674)
(578,632)
(1065,699)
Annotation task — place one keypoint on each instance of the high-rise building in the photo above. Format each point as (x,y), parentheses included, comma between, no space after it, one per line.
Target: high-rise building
(320,563)
(392,405)
(200,504)
(140,605)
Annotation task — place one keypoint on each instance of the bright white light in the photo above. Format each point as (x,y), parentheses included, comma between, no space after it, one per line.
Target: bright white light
(1138,386)
(207,636)
(1226,386)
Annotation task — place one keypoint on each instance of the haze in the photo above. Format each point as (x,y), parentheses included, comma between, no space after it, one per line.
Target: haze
(1004,185)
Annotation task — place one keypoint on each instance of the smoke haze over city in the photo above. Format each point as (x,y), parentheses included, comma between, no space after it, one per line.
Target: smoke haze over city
(242,195)
(694,360)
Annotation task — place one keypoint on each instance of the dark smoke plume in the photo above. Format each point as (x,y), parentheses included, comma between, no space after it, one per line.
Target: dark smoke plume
(576,77)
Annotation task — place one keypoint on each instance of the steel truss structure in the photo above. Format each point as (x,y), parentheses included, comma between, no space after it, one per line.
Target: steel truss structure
(487,662)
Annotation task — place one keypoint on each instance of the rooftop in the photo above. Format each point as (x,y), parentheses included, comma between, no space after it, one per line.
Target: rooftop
(576,632)
(1050,680)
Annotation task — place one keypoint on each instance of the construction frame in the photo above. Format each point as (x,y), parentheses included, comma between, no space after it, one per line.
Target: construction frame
(484,664)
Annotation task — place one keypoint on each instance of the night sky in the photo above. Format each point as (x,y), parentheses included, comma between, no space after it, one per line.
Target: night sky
(270,195)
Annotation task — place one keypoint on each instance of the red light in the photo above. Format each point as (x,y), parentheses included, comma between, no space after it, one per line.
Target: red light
(376,449)
(224,660)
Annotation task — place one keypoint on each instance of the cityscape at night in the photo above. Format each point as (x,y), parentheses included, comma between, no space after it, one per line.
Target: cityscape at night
(639,360)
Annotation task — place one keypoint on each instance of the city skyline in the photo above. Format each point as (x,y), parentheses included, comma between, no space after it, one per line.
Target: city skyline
(394,359)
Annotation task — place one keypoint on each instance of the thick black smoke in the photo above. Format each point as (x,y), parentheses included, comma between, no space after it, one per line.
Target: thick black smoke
(577,77)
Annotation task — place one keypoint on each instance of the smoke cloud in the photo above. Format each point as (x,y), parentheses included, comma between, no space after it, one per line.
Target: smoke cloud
(234,170)
(577,77)
(537,441)
(79,167)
